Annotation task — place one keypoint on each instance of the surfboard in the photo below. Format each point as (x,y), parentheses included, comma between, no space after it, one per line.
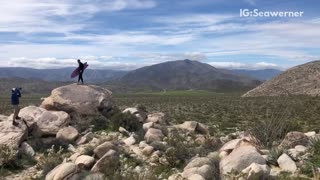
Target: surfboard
(75,73)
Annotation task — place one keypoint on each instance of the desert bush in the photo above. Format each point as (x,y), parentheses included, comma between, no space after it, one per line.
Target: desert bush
(312,164)
(126,120)
(8,155)
(272,127)
(49,160)
(274,155)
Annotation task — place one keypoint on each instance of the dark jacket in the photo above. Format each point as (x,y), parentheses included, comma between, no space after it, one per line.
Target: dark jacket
(81,66)
(15,96)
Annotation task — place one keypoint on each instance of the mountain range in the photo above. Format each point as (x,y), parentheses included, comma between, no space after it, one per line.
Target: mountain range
(172,75)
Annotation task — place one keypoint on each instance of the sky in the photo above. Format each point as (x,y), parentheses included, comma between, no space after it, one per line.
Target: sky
(128,34)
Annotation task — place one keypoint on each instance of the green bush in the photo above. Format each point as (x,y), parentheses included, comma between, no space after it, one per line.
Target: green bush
(8,155)
(126,120)
(49,160)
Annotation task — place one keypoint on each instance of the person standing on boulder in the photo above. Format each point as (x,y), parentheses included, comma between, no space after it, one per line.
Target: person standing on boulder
(15,95)
(81,69)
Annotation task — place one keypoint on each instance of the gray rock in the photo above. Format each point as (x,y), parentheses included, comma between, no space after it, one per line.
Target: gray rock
(158,118)
(108,163)
(153,135)
(80,101)
(257,171)
(62,172)
(102,149)
(11,135)
(68,134)
(26,149)
(84,160)
(240,158)
(286,163)
(294,138)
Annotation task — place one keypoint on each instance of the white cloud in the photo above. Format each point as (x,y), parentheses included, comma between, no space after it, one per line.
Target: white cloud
(237,65)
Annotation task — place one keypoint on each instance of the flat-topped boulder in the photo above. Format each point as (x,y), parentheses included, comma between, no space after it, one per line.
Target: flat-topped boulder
(79,100)
(12,135)
(44,122)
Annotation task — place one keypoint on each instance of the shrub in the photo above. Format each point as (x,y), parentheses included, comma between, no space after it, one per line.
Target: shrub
(126,120)
(274,155)
(7,155)
(50,160)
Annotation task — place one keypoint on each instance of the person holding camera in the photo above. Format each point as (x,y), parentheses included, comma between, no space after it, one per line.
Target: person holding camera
(15,95)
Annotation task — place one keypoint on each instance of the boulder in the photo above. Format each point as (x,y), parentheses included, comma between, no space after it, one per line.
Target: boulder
(286,163)
(158,118)
(205,171)
(123,131)
(257,171)
(103,148)
(11,135)
(311,134)
(194,127)
(240,158)
(68,134)
(229,146)
(294,138)
(50,122)
(26,149)
(62,172)
(130,141)
(84,160)
(3,117)
(147,126)
(85,139)
(148,150)
(300,149)
(140,114)
(108,163)
(153,135)
(196,177)
(80,101)
(198,162)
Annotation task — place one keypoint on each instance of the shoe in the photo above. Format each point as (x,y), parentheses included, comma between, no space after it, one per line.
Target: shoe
(18,117)
(15,123)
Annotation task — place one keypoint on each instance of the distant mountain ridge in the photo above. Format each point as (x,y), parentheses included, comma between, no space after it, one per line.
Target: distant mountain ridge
(186,74)
(59,75)
(299,80)
(261,74)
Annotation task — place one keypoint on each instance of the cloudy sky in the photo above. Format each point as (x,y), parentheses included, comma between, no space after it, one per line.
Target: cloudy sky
(127,34)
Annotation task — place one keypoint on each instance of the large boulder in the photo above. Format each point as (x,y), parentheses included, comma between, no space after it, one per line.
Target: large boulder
(80,101)
(11,135)
(67,134)
(62,172)
(44,122)
(240,158)
(294,138)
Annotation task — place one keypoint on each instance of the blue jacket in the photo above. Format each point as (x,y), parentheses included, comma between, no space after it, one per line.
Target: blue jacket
(15,96)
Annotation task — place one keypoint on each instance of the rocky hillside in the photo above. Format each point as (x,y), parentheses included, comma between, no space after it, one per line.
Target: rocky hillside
(184,75)
(78,133)
(299,80)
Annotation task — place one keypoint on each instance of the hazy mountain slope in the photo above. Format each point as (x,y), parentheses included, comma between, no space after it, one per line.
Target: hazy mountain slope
(29,86)
(300,80)
(91,75)
(263,74)
(186,74)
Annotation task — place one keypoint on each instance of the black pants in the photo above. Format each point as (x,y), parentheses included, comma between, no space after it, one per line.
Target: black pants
(80,76)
